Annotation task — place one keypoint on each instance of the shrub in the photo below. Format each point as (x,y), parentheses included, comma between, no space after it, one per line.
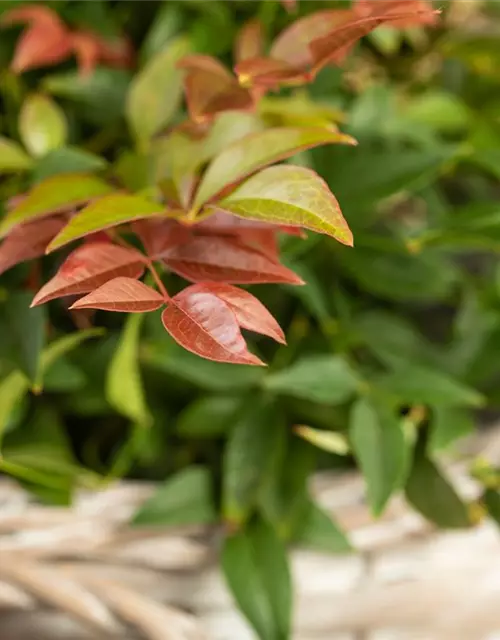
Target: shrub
(165,156)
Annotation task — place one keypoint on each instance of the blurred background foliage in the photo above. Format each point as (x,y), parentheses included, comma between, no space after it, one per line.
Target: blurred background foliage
(393,346)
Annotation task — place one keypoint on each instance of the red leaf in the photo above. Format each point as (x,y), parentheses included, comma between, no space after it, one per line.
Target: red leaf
(158,236)
(28,241)
(250,312)
(224,223)
(222,259)
(270,73)
(264,240)
(250,41)
(122,294)
(91,48)
(420,12)
(203,324)
(90,266)
(290,5)
(210,88)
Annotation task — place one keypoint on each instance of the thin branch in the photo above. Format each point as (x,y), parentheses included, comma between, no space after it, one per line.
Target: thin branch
(157,279)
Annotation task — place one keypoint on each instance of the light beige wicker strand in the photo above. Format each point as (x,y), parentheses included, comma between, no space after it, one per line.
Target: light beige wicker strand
(79,574)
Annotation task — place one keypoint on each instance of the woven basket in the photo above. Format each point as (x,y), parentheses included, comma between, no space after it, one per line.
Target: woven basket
(75,574)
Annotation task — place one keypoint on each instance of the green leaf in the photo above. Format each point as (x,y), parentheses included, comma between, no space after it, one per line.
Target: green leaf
(64,377)
(256,569)
(431,494)
(257,150)
(439,110)
(63,345)
(213,376)
(312,295)
(247,459)
(448,425)
(67,160)
(109,211)
(90,92)
(52,195)
(124,389)
(379,446)
(331,441)
(184,499)
(155,92)
(209,417)
(415,384)
(324,379)
(289,195)
(42,125)
(491,499)
(319,532)
(13,388)
(12,157)
(166,24)
(26,332)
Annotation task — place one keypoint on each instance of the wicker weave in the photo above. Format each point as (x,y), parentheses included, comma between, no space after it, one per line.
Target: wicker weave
(79,574)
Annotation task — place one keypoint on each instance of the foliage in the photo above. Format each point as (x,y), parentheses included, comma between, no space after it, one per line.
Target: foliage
(236,146)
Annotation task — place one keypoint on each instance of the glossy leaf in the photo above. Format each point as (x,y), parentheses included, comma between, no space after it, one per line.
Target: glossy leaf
(12,157)
(226,260)
(319,532)
(209,417)
(331,441)
(42,125)
(124,389)
(28,241)
(155,92)
(57,194)
(26,332)
(255,566)
(122,294)
(429,492)
(379,445)
(109,211)
(250,313)
(258,150)
(248,459)
(89,267)
(203,324)
(289,195)
(414,384)
(184,499)
(324,379)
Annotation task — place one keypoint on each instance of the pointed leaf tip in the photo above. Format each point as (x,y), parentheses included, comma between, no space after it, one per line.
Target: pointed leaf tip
(122,294)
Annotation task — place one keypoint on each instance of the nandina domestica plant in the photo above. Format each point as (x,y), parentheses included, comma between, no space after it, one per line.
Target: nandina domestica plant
(217,200)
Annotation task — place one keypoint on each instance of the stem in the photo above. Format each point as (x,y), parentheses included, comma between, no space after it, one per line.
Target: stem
(158,280)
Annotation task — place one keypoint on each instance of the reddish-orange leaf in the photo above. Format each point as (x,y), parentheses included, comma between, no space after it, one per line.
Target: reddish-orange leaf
(249,41)
(292,44)
(91,48)
(90,266)
(122,294)
(270,73)
(290,5)
(158,236)
(250,313)
(333,47)
(224,259)
(210,88)
(419,12)
(28,241)
(223,223)
(264,240)
(203,324)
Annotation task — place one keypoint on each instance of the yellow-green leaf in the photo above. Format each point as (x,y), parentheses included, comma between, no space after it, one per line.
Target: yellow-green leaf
(55,194)
(12,157)
(42,125)
(124,389)
(156,91)
(289,195)
(107,212)
(258,150)
(331,441)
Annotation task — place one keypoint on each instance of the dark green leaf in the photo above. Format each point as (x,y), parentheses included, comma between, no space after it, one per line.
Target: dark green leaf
(430,493)
(67,160)
(449,424)
(380,448)
(319,532)
(184,499)
(491,499)
(248,458)
(209,417)
(324,379)
(26,332)
(256,569)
